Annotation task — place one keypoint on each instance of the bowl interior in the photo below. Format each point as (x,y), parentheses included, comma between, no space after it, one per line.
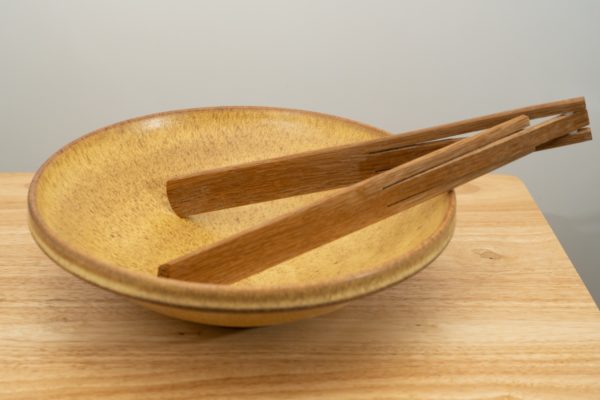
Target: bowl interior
(104,195)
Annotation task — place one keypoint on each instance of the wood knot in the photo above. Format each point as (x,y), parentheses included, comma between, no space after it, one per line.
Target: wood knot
(486,253)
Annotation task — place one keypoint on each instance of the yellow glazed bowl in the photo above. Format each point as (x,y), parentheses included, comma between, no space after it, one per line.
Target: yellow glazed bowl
(98,208)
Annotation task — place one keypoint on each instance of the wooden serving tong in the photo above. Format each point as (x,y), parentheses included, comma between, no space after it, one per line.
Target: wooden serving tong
(385,176)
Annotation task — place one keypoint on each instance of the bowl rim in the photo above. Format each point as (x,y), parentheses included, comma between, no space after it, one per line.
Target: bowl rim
(225,298)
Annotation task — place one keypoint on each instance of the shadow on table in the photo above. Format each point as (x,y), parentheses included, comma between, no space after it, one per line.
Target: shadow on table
(364,340)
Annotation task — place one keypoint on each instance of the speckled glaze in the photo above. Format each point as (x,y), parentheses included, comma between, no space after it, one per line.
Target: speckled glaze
(98,208)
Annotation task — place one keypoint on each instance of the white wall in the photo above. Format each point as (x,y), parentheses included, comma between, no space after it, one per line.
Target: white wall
(68,67)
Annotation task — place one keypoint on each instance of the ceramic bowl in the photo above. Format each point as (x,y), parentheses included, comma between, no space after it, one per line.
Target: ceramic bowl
(98,208)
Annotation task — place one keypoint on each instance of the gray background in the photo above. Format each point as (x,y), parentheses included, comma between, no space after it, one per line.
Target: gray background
(68,67)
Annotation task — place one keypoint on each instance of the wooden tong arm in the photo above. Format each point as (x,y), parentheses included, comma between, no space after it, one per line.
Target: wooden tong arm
(328,168)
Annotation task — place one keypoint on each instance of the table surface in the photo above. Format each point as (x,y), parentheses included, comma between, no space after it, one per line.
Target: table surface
(501,314)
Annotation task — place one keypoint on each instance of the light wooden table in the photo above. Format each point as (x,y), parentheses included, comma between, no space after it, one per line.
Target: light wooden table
(501,314)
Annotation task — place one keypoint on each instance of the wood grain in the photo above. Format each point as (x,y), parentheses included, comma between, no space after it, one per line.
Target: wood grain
(501,314)
(256,249)
(328,168)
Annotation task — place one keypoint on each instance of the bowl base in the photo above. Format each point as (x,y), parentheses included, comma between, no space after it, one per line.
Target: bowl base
(238,319)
